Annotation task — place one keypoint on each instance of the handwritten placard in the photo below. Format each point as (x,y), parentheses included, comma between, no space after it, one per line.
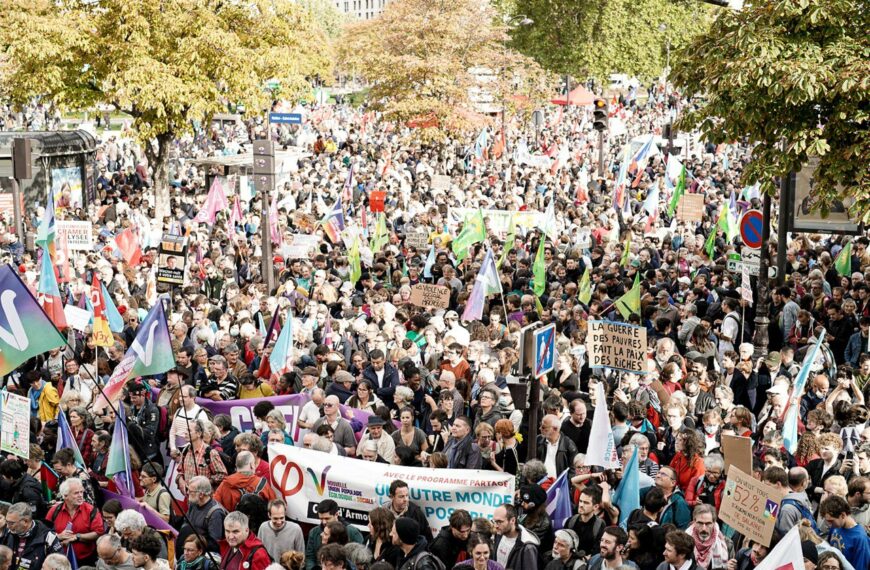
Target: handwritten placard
(690,208)
(430,296)
(619,346)
(418,238)
(750,506)
(737,451)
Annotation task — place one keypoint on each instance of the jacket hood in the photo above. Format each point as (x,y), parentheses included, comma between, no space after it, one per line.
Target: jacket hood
(528,536)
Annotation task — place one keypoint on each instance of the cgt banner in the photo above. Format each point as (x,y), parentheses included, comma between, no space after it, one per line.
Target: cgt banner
(304,477)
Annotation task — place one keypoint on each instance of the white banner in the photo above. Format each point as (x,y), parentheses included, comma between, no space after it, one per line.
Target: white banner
(304,477)
(498,221)
(78,234)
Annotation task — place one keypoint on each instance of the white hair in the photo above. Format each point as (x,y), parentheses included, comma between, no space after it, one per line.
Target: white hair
(65,486)
(129,519)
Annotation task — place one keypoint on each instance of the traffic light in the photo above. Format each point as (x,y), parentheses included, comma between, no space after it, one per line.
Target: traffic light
(599,117)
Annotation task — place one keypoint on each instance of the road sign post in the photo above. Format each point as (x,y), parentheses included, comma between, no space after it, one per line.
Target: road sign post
(751,224)
(285,118)
(545,351)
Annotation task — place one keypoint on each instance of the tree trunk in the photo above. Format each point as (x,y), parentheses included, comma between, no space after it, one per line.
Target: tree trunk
(157,153)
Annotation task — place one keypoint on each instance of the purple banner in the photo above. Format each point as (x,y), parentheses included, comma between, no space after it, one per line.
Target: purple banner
(151,518)
(241,412)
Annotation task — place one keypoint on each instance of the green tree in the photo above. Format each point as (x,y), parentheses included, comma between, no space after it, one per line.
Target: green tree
(165,63)
(595,38)
(428,59)
(791,76)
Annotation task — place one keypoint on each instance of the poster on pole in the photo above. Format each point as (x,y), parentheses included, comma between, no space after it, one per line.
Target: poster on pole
(304,477)
(690,208)
(172,259)
(78,234)
(66,186)
(15,424)
(750,506)
(806,216)
(619,346)
(430,296)
(298,246)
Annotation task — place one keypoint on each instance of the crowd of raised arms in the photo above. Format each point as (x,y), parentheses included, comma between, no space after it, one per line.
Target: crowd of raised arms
(427,385)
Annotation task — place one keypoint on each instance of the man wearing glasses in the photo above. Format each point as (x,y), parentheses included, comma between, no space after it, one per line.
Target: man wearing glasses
(343,432)
(112,555)
(30,541)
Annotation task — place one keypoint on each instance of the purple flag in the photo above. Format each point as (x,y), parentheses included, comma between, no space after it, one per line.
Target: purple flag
(152,519)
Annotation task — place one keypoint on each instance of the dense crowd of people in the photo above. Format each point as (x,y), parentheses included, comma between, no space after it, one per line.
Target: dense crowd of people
(435,385)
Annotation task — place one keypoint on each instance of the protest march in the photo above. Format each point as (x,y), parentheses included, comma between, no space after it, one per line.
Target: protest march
(490,352)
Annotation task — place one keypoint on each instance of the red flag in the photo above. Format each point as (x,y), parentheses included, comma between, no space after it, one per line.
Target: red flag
(128,243)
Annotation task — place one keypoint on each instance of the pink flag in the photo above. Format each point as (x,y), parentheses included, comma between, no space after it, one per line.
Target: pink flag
(235,215)
(215,202)
(128,244)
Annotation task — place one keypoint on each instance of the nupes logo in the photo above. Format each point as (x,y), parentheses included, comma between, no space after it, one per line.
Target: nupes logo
(292,479)
(146,353)
(17,338)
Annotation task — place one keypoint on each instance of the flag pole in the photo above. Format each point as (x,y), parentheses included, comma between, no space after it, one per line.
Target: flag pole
(500,288)
(147,461)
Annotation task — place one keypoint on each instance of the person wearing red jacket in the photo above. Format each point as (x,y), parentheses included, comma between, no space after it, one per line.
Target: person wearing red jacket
(708,488)
(240,548)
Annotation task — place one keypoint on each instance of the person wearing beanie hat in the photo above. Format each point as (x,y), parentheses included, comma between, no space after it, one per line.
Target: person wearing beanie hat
(406,535)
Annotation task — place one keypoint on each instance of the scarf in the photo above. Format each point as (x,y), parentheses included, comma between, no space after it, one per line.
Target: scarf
(34,399)
(712,553)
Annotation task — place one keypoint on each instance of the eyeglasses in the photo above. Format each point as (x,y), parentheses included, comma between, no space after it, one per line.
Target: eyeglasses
(328,405)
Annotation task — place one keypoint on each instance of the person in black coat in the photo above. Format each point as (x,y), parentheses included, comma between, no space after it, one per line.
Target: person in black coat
(23,486)
(31,541)
(451,543)
(551,436)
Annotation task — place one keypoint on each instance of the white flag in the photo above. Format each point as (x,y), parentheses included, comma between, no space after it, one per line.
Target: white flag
(602,448)
(786,555)
(745,287)
(547,224)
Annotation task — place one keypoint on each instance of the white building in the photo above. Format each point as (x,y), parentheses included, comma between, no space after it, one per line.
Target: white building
(361,9)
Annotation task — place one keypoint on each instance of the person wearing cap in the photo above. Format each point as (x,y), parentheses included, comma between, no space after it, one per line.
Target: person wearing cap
(146,416)
(384,443)
(533,500)
(342,386)
(406,535)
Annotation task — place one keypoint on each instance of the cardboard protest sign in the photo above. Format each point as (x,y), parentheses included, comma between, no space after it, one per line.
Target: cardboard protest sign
(304,222)
(171,260)
(430,296)
(15,424)
(738,452)
(440,182)
(78,234)
(418,238)
(750,506)
(617,345)
(690,208)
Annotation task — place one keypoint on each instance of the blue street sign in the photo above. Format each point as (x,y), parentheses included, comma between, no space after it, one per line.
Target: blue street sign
(545,350)
(286,118)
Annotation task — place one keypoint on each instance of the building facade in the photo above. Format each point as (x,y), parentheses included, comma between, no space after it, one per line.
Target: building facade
(361,9)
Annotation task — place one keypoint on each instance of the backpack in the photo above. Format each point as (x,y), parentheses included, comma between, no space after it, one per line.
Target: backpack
(804,511)
(256,492)
(421,555)
(163,424)
(597,526)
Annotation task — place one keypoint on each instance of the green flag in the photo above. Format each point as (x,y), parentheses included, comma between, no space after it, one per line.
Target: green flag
(710,244)
(538,306)
(626,252)
(473,231)
(679,190)
(726,223)
(508,244)
(381,237)
(353,258)
(843,263)
(539,269)
(630,302)
(585,287)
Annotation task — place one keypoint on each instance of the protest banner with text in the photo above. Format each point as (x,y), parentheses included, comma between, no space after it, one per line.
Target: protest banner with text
(619,346)
(750,506)
(304,477)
